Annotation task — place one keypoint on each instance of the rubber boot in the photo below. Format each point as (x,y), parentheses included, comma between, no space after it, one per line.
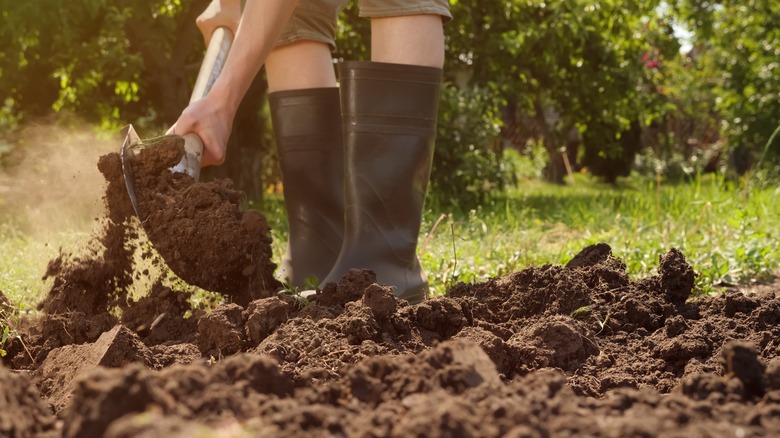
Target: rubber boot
(307,127)
(389,113)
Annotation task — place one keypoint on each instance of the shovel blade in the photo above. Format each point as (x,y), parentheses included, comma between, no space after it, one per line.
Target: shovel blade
(127,153)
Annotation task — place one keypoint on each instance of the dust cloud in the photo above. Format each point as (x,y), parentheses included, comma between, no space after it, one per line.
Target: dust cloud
(50,181)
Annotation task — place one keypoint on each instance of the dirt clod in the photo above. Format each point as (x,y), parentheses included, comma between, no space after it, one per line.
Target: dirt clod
(742,362)
(381,300)
(115,348)
(22,412)
(221,332)
(350,288)
(265,315)
(677,277)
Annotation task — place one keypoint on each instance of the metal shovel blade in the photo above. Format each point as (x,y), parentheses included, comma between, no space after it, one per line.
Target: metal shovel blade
(127,153)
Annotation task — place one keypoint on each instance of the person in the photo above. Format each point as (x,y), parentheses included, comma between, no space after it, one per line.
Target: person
(355,153)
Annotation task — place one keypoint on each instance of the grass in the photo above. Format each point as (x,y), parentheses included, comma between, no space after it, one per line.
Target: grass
(24,257)
(727,230)
(728,233)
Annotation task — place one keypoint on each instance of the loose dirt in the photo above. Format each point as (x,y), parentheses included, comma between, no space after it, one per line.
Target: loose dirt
(575,350)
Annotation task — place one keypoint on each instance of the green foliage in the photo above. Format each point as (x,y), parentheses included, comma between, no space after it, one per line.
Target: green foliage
(529,163)
(6,334)
(467,168)
(739,44)
(640,219)
(111,62)
(567,62)
(598,67)
(9,324)
(609,150)
(353,35)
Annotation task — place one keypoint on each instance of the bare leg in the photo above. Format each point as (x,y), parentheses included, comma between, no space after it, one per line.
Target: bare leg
(298,65)
(411,39)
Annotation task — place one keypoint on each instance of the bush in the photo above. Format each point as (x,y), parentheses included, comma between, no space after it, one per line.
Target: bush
(467,165)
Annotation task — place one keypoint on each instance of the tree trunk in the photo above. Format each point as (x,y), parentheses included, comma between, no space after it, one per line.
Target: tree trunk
(555,170)
(171,78)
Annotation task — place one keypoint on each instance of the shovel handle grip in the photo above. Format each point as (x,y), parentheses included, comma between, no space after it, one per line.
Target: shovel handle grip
(213,61)
(216,53)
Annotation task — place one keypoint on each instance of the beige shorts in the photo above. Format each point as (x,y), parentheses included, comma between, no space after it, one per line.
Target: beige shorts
(315,20)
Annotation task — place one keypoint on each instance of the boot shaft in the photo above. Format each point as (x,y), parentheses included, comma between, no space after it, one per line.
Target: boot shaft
(307,128)
(389,98)
(389,116)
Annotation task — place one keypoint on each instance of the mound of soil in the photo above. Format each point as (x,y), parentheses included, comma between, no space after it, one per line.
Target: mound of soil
(22,411)
(552,350)
(575,350)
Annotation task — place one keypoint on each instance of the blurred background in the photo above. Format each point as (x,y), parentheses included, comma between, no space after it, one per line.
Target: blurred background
(534,89)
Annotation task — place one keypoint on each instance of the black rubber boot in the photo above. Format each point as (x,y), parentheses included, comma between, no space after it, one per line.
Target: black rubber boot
(307,126)
(389,113)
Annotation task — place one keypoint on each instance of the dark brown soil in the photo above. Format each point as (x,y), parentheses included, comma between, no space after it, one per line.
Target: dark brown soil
(22,411)
(199,229)
(575,350)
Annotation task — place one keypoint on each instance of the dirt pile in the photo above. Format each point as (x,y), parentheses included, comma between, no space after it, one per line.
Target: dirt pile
(198,228)
(22,411)
(577,350)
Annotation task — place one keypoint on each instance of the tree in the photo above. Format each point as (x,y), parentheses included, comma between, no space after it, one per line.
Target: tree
(574,58)
(739,44)
(111,62)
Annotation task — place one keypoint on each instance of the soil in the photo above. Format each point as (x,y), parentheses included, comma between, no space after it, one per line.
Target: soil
(199,229)
(575,350)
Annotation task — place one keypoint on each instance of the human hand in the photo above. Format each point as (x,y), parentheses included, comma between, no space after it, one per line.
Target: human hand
(219,13)
(212,122)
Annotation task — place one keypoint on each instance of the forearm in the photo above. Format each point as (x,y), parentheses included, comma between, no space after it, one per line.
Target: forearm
(261,24)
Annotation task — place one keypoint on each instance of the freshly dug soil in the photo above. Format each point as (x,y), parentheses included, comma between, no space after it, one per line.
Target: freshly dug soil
(198,229)
(580,350)
(575,350)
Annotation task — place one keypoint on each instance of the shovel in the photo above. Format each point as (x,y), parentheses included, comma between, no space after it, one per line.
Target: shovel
(226,13)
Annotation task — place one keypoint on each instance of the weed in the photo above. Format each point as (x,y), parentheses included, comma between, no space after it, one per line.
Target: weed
(581,312)
(9,327)
(602,323)
(296,293)
(300,300)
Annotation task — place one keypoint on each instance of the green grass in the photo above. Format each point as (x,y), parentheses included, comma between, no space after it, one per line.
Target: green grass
(729,234)
(23,261)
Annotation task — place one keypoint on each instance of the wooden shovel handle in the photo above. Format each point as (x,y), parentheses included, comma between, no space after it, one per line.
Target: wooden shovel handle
(214,60)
